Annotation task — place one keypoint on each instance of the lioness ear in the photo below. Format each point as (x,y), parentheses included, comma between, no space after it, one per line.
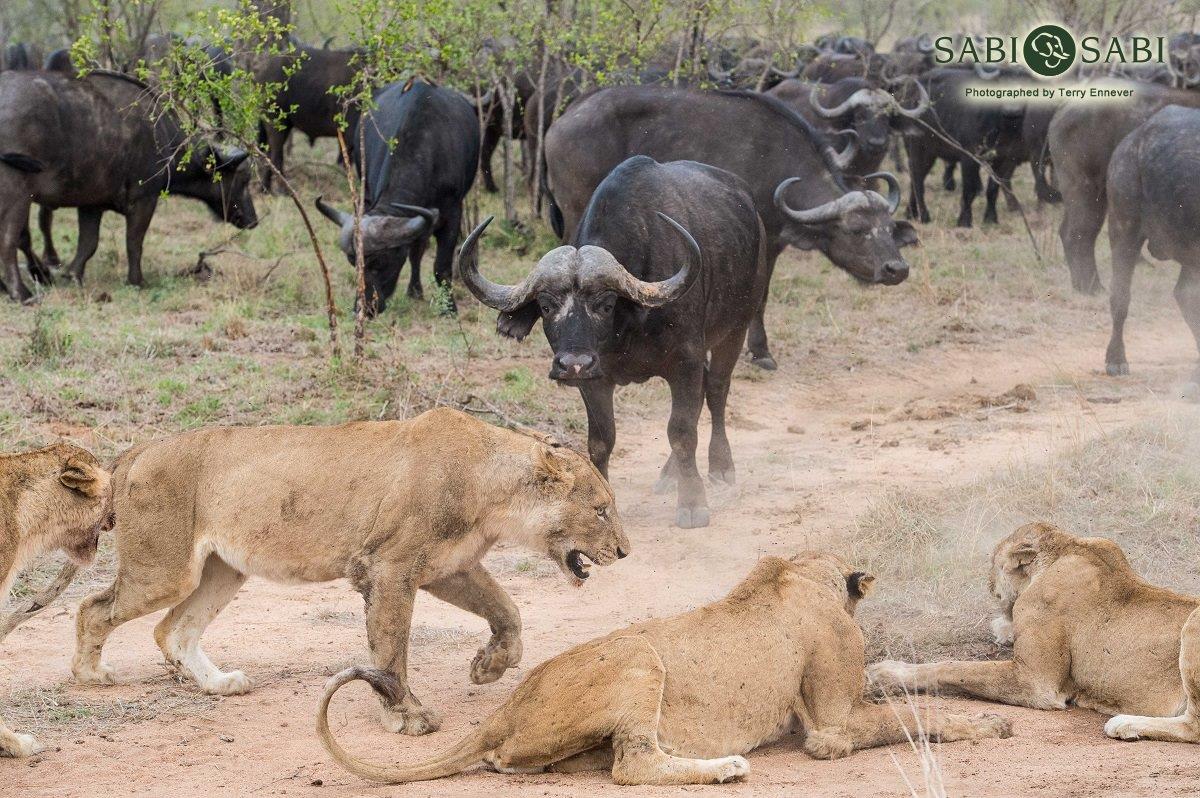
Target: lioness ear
(1021,556)
(551,472)
(80,476)
(859,584)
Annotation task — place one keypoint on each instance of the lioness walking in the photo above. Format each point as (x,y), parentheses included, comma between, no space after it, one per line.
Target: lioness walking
(677,701)
(392,506)
(52,498)
(1085,630)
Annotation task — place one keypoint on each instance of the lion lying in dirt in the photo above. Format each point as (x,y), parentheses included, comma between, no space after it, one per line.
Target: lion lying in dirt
(52,498)
(1086,630)
(676,701)
(392,506)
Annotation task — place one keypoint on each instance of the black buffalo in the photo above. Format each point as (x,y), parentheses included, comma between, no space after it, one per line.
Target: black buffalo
(668,266)
(1154,199)
(1082,139)
(420,155)
(793,174)
(958,130)
(93,144)
(851,104)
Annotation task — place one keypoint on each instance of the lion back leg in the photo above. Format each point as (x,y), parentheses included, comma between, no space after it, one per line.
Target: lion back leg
(16,745)
(609,692)
(1186,727)
(178,634)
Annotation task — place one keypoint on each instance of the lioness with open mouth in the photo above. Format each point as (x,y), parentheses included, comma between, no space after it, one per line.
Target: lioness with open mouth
(393,506)
(677,701)
(1085,630)
(51,498)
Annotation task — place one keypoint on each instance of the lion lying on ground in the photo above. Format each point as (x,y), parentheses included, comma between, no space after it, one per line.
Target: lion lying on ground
(1086,630)
(676,701)
(52,498)
(392,506)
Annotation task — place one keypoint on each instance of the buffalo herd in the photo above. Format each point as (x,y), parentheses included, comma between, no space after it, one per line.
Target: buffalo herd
(673,194)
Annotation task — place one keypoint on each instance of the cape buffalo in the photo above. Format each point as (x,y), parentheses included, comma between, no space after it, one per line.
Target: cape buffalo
(1082,138)
(420,155)
(93,143)
(1155,199)
(793,174)
(850,104)
(668,266)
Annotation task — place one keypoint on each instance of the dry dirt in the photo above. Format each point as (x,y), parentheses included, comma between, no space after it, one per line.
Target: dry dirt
(810,457)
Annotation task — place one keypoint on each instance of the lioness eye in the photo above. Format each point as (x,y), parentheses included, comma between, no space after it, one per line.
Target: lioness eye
(602,512)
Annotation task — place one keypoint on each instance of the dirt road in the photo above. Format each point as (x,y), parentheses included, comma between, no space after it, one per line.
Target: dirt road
(801,480)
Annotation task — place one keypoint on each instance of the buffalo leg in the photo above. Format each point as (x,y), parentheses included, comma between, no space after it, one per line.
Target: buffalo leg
(46,226)
(971,183)
(37,270)
(687,399)
(415,254)
(602,425)
(948,176)
(759,346)
(443,262)
(137,222)
(89,239)
(919,164)
(1084,205)
(276,145)
(1126,245)
(491,139)
(1187,296)
(14,221)
(716,392)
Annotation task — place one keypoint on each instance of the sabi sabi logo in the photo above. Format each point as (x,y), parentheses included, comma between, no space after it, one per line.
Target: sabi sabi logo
(1049,50)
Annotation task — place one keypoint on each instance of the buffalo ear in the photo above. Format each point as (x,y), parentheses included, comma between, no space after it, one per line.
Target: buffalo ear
(82,477)
(518,323)
(859,584)
(230,161)
(904,234)
(1020,557)
(551,471)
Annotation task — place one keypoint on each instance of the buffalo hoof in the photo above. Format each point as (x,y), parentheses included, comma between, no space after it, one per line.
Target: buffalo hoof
(1117,369)
(665,484)
(949,185)
(415,291)
(764,362)
(691,517)
(723,475)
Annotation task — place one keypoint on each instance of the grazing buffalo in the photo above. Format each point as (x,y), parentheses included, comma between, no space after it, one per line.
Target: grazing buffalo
(1154,197)
(94,144)
(794,175)
(306,101)
(1035,129)
(850,104)
(1082,139)
(59,61)
(667,267)
(957,130)
(420,155)
(21,57)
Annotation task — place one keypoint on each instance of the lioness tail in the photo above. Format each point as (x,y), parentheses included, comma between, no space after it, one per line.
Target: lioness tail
(469,751)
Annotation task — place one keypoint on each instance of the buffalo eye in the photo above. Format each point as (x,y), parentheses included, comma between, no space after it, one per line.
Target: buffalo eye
(547,303)
(605,304)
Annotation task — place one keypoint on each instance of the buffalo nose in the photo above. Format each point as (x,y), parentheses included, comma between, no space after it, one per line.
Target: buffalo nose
(621,553)
(895,271)
(574,364)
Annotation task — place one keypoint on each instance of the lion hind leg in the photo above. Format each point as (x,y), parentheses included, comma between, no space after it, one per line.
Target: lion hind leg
(1184,728)
(17,745)
(178,634)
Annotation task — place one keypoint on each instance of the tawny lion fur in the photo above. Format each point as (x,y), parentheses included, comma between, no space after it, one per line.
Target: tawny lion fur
(679,700)
(394,506)
(1085,630)
(52,498)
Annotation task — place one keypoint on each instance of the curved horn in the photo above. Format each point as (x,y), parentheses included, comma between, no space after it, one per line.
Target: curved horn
(922,102)
(430,215)
(340,218)
(821,213)
(504,298)
(779,73)
(893,197)
(844,158)
(719,75)
(837,110)
(656,294)
(986,73)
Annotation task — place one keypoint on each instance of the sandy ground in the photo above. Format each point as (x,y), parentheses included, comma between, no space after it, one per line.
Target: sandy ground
(806,466)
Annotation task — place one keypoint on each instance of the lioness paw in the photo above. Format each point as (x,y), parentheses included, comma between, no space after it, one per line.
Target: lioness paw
(1002,630)
(992,725)
(827,744)
(413,721)
(101,673)
(1123,727)
(232,683)
(491,662)
(732,768)
(19,745)
(888,673)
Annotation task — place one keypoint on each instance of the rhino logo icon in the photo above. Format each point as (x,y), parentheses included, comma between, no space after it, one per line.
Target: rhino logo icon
(1049,50)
